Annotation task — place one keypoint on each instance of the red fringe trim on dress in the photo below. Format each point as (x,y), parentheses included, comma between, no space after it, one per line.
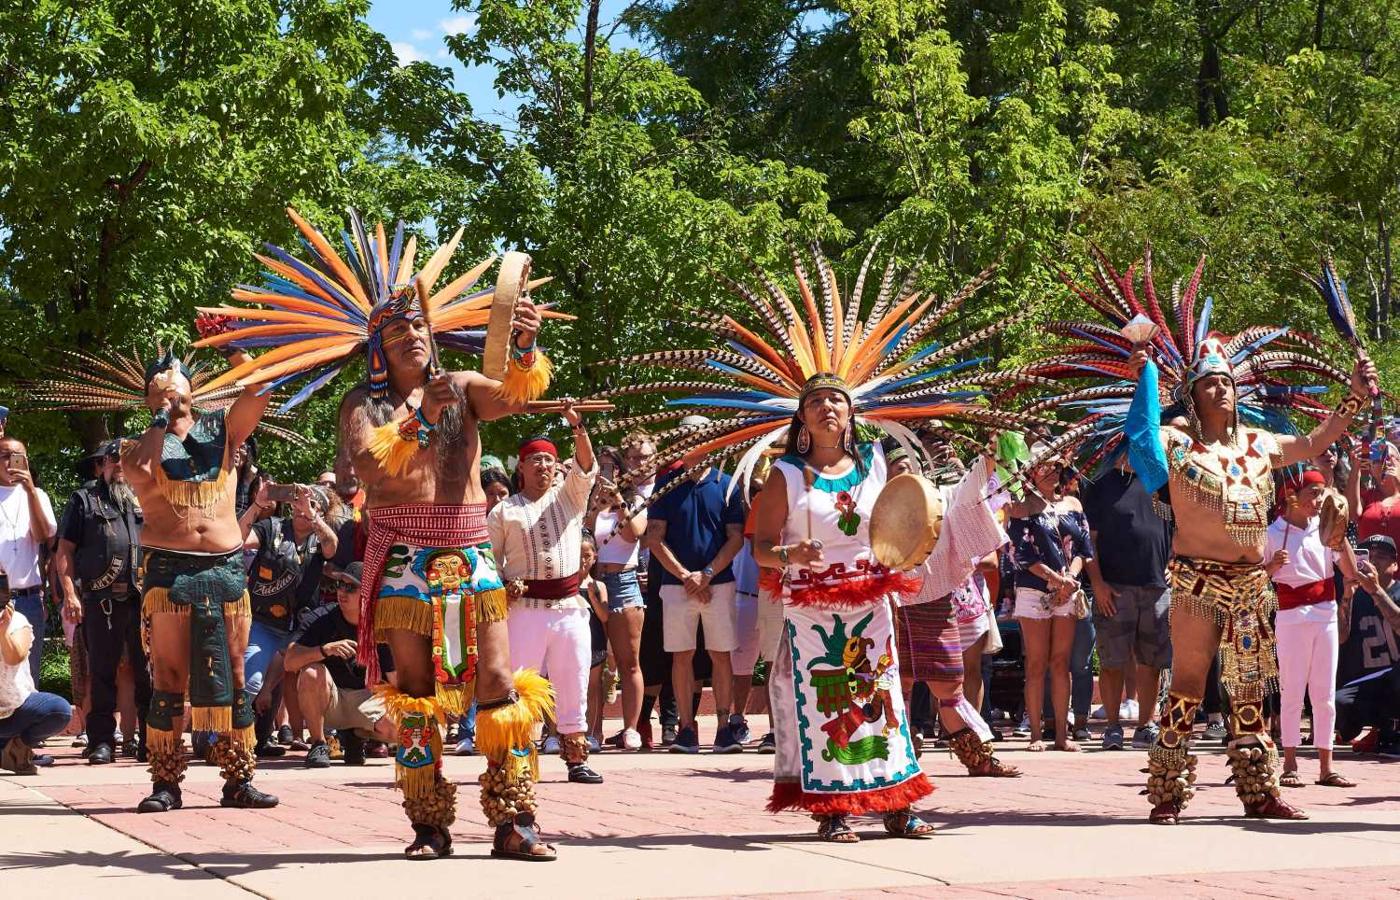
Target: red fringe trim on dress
(789,795)
(853,592)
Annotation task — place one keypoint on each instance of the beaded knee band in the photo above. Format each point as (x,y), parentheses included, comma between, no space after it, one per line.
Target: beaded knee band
(1254,762)
(1171,775)
(970,749)
(437,807)
(1177,719)
(507,792)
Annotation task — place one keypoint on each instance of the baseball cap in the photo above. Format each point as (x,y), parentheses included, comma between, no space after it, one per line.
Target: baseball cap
(352,573)
(1380,540)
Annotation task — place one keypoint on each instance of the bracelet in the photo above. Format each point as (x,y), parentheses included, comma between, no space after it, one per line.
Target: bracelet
(417,428)
(160,419)
(522,357)
(782,554)
(1349,407)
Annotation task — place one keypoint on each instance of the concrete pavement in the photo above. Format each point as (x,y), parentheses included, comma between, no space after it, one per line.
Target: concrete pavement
(1074,825)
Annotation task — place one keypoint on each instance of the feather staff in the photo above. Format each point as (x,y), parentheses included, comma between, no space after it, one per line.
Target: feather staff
(1334,293)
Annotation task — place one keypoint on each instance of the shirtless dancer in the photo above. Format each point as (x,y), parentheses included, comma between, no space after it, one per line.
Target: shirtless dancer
(194,586)
(1219,474)
(431,590)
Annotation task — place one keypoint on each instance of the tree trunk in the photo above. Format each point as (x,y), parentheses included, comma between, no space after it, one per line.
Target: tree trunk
(590,52)
(1319,20)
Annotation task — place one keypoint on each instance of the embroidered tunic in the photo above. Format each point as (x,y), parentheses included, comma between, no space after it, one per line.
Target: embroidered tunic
(843,740)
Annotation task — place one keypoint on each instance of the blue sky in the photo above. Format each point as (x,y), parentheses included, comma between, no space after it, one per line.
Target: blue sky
(416,29)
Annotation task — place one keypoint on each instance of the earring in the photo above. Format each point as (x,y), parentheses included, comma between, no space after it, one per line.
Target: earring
(848,440)
(804,440)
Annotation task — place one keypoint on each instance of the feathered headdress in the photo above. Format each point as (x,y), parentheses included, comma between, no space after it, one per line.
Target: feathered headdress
(312,316)
(888,364)
(82,381)
(1097,360)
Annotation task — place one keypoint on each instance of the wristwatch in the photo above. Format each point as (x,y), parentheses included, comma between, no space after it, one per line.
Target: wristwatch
(708,572)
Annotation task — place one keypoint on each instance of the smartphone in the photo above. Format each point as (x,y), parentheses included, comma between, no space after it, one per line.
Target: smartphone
(1362,556)
(282,493)
(4,587)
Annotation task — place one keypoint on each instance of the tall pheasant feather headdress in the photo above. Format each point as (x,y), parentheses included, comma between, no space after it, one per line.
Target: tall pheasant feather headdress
(888,364)
(83,381)
(1256,358)
(313,315)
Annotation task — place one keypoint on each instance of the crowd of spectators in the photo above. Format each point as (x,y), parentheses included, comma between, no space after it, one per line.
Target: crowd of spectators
(1072,614)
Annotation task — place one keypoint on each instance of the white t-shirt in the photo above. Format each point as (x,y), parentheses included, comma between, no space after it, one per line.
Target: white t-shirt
(1309,561)
(16,682)
(19,552)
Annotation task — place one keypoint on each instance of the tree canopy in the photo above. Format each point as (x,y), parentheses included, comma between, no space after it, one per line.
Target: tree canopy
(148,148)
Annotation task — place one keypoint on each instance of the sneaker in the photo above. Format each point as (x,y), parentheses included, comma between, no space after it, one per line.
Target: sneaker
(284,736)
(668,735)
(1098,714)
(739,728)
(580,773)
(354,748)
(268,750)
(376,750)
(319,756)
(630,740)
(466,747)
(686,741)
(1080,733)
(1145,736)
(1216,731)
(131,748)
(593,745)
(767,745)
(1023,730)
(1113,738)
(1390,750)
(80,739)
(1129,710)
(244,796)
(725,742)
(552,745)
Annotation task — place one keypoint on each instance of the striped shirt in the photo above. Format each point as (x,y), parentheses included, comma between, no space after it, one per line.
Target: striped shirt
(541,540)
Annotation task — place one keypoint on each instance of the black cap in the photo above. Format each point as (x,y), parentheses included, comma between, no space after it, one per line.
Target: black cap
(1381,540)
(352,573)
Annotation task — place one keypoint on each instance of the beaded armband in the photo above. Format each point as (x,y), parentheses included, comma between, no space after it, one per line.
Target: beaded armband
(1349,407)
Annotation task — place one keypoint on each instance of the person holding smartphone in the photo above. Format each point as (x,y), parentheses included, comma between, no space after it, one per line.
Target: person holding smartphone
(26,524)
(27,716)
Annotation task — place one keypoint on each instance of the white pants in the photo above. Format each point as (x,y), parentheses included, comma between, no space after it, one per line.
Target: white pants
(1307,660)
(558,643)
(760,628)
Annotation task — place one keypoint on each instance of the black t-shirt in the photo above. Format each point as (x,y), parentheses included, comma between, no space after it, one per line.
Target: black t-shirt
(332,627)
(1132,541)
(1372,646)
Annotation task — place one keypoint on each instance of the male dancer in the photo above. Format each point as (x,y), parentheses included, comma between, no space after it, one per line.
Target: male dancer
(1220,478)
(537,534)
(431,590)
(194,588)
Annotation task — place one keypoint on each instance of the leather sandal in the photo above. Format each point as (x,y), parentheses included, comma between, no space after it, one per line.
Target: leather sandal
(1290,780)
(905,824)
(1167,813)
(1336,779)
(524,829)
(836,830)
(431,842)
(1274,808)
(994,768)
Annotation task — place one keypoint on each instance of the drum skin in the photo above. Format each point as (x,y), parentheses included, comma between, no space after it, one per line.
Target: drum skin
(511,283)
(905,521)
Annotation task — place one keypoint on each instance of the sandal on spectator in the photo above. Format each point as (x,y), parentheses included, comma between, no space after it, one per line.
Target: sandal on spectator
(1336,779)
(1290,779)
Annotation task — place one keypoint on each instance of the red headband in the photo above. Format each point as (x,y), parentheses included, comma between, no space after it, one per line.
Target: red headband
(1292,485)
(538,445)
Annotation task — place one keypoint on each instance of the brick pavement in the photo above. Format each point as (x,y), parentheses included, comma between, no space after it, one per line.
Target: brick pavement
(1073,826)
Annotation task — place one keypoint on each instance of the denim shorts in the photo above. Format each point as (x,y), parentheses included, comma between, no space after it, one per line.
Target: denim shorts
(623,591)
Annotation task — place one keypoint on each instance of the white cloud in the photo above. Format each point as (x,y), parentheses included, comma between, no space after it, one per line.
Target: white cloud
(406,52)
(458,25)
(421,34)
(442,53)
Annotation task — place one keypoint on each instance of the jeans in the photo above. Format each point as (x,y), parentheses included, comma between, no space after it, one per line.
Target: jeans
(466,726)
(39,717)
(107,636)
(30,601)
(264,642)
(1081,669)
